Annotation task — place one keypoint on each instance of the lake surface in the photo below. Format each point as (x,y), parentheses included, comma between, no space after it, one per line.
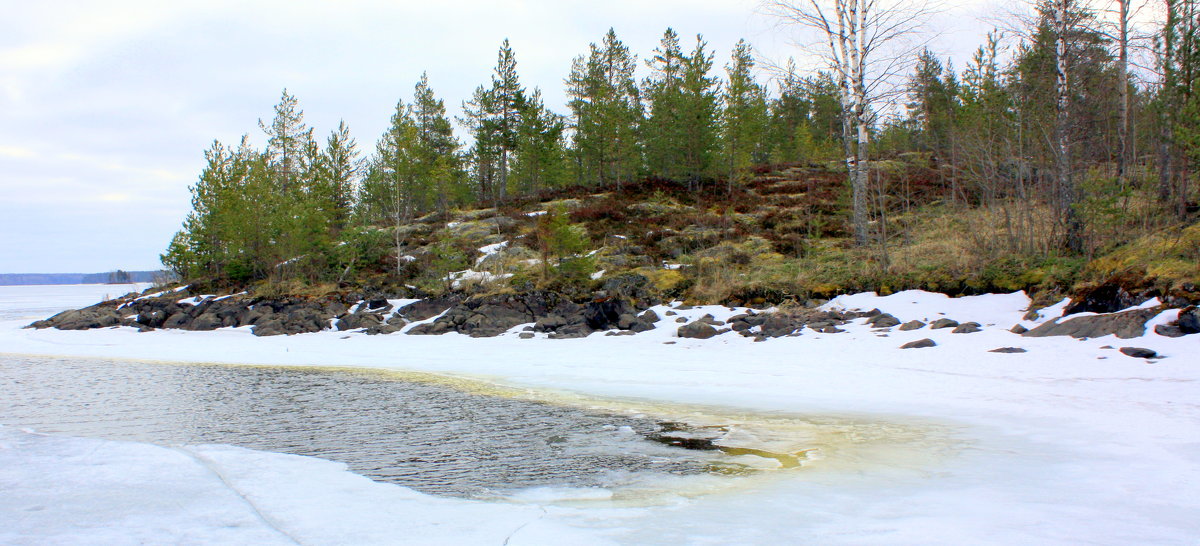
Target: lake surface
(431,437)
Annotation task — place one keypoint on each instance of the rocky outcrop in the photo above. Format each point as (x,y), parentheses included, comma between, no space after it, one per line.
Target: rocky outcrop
(549,312)
(266,316)
(1125,325)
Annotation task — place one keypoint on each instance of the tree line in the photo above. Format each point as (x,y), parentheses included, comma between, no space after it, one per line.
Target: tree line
(1056,122)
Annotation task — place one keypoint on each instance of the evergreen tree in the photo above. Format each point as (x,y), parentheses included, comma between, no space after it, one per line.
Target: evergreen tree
(932,93)
(507,102)
(606,113)
(663,134)
(439,155)
(541,155)
(744,118)
(287,138)
(336,174)
(699,114)
(484,155)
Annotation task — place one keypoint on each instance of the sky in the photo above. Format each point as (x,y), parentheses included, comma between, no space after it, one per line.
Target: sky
(106,108)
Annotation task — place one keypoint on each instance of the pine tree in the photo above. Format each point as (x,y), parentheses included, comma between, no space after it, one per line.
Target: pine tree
(664,95)
(439,155)
(507,101)
(606,113)
(287,137)
(541,155)
(744,118)
(699,114)
(340,168)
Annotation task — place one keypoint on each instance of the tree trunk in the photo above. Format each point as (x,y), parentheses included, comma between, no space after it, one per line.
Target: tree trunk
(1073,240)
(1123,81)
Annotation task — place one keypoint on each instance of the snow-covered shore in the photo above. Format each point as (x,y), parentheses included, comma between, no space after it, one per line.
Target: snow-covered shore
(1069,442)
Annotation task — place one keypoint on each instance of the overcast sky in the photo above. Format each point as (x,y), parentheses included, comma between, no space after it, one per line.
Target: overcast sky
(106,107)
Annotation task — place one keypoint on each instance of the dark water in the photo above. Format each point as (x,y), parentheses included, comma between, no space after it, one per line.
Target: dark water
(431,437)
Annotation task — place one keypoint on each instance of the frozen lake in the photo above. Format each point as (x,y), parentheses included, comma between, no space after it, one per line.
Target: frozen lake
(432,437)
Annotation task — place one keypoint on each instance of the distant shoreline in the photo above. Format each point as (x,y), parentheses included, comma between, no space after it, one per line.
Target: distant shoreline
(24,279)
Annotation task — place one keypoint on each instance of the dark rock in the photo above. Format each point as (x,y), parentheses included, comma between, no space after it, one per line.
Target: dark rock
(605,314)
(626,321)
(831,330)
(697,330)
(1138,352)
(269,327)
(966,328)
(870,313)
(912,325)
(943,323)
(549,323)
(1106,298)
(525,335)
(426,308)
(681,320)
(641,326)
(631,287)
(378,304)
(919,344)
(179,320)
(1018,329)
(779,325)
(649,316)
(207,321)
(1189,320)
(670,313)
(1008,350)
(1032,314)
(1166,330)
(883,320)
(152,319)
(1125,325)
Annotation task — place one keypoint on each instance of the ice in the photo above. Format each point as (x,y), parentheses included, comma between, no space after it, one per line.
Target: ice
(1068,443)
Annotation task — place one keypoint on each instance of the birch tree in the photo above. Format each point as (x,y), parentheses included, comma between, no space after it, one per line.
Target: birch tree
(865,44)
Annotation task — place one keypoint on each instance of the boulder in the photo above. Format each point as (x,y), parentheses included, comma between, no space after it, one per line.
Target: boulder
(207,321)
(966,328)
(883,320)
(1018,329)
(269,327)
(1125,325)
(919,344)
(427,308)
(1167,330)
(912,325)
(697,330)
(1008,350)
(943,323)
(1189,320)
(1138,352)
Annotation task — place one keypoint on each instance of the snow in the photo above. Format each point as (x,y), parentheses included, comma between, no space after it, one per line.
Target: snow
(457,278)
(1068,443)
(489,250)
(535,213)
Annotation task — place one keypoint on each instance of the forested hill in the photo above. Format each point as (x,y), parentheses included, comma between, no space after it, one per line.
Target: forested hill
(1049,170)
(9,279)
